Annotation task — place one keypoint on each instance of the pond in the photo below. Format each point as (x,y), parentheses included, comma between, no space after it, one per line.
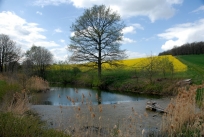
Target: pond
(69,96)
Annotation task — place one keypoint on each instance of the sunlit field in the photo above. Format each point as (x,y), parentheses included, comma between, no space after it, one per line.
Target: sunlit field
(137,63)
(141,62)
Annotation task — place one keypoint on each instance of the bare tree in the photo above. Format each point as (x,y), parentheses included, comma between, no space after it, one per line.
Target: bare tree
(9,53)
(40,58)
(97,38)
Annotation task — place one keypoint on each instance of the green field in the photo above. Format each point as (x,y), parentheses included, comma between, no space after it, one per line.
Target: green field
(195,64)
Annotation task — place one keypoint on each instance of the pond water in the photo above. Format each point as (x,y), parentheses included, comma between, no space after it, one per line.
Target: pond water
(69,96)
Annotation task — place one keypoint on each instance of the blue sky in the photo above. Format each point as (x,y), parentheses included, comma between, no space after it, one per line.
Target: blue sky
(152,26)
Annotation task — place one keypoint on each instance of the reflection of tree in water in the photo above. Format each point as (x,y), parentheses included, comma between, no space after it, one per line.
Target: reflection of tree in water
(99,96)
(47,102)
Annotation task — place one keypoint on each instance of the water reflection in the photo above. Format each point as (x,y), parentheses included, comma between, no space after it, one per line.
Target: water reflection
(67,96)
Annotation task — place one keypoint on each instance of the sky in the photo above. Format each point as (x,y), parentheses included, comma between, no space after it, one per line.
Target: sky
(152,26)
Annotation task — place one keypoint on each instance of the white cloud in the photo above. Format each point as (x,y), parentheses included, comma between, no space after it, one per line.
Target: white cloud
(22,32)
(183,33)
(50,2)
(201,8)
(59,53)
(58,30)
(132,54)
(129,29)
(132,28)
(62,41)
(153,9)
(38,12)
(127,40)
(72,34)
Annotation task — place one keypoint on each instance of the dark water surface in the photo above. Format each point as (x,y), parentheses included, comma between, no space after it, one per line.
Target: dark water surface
(69,96)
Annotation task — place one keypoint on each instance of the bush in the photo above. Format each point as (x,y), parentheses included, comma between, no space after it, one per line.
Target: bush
(25,126)
(5,87)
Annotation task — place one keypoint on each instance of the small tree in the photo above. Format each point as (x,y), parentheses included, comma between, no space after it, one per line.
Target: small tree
(165,65)
(150,68)
(9,53)
(40,58)
(97,38)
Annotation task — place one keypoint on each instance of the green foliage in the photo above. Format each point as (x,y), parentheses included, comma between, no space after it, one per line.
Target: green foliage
(5,88)
(25,126)
(153,88)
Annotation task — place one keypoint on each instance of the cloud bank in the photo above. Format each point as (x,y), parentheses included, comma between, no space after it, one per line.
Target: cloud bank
(24,33)
(183,33)
(153,9)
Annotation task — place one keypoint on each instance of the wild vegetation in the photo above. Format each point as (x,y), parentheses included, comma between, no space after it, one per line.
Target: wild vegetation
(183,117)
(16,119)
(155,75)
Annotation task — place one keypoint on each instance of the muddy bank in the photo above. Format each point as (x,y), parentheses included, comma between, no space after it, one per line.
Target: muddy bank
(130,117)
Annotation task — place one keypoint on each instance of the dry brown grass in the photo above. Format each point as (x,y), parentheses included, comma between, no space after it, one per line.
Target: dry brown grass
(16,103)
(90,121)
(184,118)
(37,84)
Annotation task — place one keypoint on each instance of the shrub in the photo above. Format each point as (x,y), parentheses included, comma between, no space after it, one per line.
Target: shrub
(25,126)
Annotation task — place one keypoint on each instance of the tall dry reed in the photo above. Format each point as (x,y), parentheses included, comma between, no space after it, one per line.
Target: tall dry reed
(183,117)
(36,83)
(91,120)
(16,103)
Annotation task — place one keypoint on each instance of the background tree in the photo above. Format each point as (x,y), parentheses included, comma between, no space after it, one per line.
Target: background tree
(40,58)
(150,68)
(97,37)
(186,49)
(165,66)
(9,53)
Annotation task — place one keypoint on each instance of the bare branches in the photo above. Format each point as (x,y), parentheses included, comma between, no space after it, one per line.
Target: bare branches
(40,58)
(9,53)
(98,33)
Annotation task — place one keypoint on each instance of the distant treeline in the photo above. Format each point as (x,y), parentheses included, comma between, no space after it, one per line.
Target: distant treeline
(186,49)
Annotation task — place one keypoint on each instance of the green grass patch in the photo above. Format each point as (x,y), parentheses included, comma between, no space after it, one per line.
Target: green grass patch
(195,65)
(5,87)
(25,126)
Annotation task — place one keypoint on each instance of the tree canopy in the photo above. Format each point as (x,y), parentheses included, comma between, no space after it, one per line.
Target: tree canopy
(40,58)
(186,49)
(97,38)
(9,53)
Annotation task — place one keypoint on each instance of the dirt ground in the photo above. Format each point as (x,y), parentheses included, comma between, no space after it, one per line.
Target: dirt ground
(125,119)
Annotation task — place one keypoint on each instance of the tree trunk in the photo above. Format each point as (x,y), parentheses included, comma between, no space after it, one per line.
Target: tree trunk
(99,62)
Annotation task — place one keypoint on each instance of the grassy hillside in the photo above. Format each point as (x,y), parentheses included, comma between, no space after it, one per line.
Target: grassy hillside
(195,64)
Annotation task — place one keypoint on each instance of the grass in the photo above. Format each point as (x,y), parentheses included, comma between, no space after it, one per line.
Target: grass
(12,125)
(133,77)
(195,65)
(14,107)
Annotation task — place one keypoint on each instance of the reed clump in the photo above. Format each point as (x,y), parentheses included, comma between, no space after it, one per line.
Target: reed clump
(36,83)
(184,118)
(16,102)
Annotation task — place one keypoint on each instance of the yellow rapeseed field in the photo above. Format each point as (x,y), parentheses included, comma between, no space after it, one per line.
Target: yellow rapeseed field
(137,63)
